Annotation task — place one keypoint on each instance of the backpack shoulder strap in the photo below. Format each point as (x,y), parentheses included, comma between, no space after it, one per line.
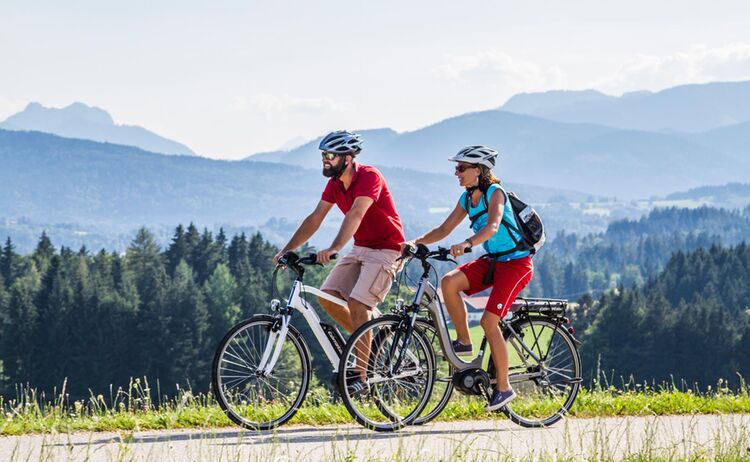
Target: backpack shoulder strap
(485,203)
(465,201)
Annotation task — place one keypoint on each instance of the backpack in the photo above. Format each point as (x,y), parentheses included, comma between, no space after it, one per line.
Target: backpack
(528,223)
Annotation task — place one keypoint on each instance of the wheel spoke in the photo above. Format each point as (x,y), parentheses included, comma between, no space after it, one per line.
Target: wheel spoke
(547,392)
(395,397)
(252,400)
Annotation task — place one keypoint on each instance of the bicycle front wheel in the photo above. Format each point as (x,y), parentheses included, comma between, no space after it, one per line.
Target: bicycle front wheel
(443,383)
(545,388)
(385,377)
(255,391)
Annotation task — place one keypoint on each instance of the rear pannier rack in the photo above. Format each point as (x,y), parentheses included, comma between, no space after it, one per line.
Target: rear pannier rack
(546,306)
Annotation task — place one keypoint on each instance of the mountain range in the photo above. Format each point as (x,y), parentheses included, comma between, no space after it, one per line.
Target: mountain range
(50,179)
(92,123)
(571,171)
(685,108)
(89,192)
(612,154)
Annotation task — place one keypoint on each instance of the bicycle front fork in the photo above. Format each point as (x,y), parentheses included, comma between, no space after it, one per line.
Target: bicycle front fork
(274,344)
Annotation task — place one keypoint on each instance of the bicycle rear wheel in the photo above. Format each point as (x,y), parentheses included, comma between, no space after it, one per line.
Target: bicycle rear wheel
(397,374)
(545,389)
(251,396)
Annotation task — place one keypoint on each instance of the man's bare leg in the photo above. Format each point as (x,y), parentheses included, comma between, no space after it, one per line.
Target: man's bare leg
(360,314)
(340,314)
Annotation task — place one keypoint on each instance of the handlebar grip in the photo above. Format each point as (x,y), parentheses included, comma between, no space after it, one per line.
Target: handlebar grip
(467,250)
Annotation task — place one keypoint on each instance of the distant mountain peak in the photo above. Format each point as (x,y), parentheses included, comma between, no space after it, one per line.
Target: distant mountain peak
(533,103)
(74,111)
(689,108)
(637,94)
(79,120)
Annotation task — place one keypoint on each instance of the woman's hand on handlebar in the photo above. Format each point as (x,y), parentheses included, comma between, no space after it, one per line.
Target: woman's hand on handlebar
(459,249)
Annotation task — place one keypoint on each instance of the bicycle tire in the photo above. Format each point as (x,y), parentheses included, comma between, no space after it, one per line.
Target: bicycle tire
(543,400)
(394,398)
(245,399)
(442,389)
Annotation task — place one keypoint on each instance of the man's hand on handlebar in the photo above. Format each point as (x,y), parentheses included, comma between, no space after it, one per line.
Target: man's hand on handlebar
(278,256)
(324,256)
(407,248)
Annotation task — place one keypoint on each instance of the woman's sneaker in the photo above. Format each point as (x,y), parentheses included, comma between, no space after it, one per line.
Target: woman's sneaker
(461,349)
(499,399)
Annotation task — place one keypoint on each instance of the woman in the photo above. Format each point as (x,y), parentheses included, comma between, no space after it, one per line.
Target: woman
(505,268)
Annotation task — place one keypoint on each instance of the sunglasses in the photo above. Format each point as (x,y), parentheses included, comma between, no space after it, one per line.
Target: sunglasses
(328,155)
(463,168)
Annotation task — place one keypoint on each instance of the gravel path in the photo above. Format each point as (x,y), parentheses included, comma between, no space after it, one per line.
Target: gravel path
(675,436)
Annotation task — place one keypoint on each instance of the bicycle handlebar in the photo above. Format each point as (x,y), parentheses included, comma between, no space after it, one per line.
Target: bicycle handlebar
(291,259)
(422,252)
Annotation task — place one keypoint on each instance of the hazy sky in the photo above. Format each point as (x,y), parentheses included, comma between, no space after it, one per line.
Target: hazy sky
(231,78)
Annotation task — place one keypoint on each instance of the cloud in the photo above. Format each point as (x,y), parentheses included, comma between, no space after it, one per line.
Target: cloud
(698,64)
(285,104)
(500,68)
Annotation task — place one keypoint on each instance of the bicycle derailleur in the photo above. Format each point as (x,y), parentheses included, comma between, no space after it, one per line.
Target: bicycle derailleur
(472,382)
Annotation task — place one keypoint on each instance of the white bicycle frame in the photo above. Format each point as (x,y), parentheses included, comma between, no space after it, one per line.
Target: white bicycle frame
(276,339)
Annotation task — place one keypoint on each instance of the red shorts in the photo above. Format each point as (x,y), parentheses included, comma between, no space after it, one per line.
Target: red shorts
(509,279)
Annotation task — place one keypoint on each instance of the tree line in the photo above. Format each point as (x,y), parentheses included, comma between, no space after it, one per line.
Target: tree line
(690,322)
(629,252)
(101,319)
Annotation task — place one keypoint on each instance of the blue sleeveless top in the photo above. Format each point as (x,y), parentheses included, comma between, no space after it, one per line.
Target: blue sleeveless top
(501,241)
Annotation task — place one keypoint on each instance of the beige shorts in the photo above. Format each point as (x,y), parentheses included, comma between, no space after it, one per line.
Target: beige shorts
(364,274)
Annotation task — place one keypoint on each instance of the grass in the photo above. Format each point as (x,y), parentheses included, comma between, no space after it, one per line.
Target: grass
(132,409)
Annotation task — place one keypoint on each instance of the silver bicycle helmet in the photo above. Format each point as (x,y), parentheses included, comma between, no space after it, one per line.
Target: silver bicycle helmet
(478,155)
(341,142)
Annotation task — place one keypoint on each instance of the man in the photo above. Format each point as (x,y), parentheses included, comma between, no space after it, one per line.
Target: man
(364,276)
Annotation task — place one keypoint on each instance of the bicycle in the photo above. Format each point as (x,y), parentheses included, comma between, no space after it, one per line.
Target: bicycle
(544,362)
(262,367)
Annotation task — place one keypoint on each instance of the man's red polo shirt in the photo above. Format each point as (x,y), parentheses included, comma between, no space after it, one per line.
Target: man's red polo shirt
(381,226)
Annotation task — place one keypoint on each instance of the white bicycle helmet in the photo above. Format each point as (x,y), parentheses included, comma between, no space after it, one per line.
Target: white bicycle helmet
(478,155)
(341,142)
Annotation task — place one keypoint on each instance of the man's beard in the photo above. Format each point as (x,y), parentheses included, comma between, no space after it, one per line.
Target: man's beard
(334,172)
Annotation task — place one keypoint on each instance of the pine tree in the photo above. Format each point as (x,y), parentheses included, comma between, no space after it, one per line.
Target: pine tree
(146,264)
(4,321)
(55,300)
(8,263)
(43,253)
(19,344)
(222,304)
(177,250)
(208,254)
(187,329)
